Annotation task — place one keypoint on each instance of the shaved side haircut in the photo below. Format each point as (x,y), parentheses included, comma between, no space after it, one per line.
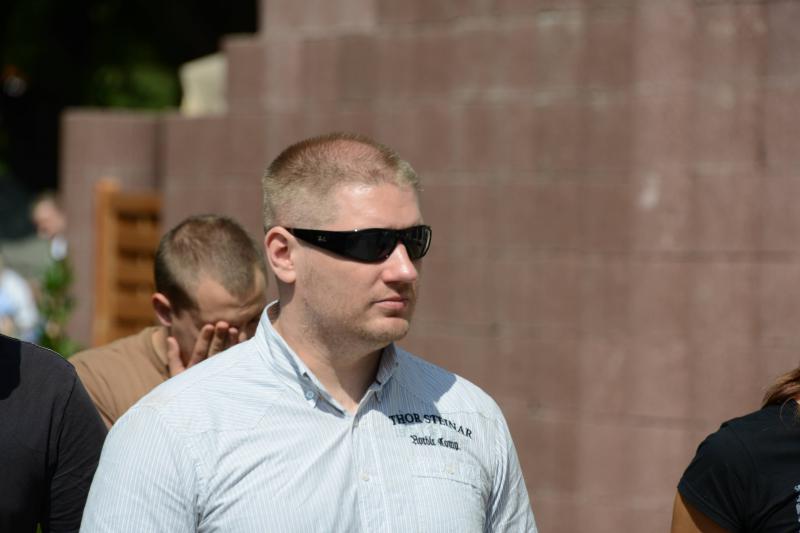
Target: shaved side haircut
(298,183)
(212,245)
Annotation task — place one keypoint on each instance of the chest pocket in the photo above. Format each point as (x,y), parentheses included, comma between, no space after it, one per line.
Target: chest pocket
(449,496)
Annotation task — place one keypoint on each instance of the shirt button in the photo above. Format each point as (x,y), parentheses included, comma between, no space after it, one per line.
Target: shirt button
(364,476)
(310,395)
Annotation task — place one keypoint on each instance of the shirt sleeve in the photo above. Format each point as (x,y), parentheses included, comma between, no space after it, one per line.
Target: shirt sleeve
(509,505)
(146,479)
(717,481)
(79,439)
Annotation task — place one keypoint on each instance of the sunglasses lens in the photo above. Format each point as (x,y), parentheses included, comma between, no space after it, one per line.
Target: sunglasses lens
(369,245)
(417,240)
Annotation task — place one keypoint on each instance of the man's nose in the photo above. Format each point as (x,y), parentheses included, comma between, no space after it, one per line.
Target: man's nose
(399,266)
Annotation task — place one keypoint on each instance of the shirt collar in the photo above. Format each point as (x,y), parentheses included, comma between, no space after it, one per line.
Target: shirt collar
(294,373)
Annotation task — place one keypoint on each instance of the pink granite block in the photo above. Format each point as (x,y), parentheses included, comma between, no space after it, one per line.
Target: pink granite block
(546,442)
(777,288)
(427,11)
(478,59)
(285,128)
(518,129)
(283,74)
(240,197)
(538,295)
(515,61)
(662,121)
(659,323)
(195,149)
(357,67)
(606,370)
(481,137)
(731,42)
(281,16)
(723,305)
(518,8)
(780,228)
(319,70)
(543,370)
(555,511)
(782,128)
(726,212)
(560,48)
(396,65)
(539,215)
(434,54)
(664,46)
(245,74)
(455,290)
(461,215)
(727,126)
(396,126)
(423,133)
(606,215)
(723,336)
(247,145)
(353,118)
(606,301)
(663,212)
(121,143)
(616,461)
(609,134)
(610,50)
(783,52)
(560,134)
(502,138)
(725,382)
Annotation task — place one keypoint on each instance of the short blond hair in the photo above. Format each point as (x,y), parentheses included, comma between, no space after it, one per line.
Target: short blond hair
(298,183)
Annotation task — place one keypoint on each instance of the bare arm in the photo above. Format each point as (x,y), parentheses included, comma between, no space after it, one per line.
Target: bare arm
(687,519)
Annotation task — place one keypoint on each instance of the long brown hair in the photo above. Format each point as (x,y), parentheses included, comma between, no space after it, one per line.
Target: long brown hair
(785,388)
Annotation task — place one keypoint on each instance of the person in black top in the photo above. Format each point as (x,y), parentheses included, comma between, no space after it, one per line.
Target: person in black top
(50,440)
(745,477)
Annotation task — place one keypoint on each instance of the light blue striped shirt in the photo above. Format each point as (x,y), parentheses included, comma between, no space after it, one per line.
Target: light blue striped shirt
(250,441)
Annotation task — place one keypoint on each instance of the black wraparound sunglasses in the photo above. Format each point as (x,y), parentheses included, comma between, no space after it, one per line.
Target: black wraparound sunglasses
(368,245)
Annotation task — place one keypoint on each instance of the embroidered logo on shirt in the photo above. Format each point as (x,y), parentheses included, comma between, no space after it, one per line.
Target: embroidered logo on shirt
(426,440)
(416,418)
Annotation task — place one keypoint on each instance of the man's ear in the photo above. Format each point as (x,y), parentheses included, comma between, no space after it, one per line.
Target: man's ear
(280,247)
(163,308)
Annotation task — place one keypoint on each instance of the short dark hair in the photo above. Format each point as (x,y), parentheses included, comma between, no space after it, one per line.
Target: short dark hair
(213,245)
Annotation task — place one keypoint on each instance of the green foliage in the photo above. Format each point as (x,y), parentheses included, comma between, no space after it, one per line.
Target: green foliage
(139,85)
(56,306)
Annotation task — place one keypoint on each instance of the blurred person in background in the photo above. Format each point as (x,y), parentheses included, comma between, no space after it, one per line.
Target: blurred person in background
(18,314)
(50,440)
(211,283)
(746,476)
(51,223)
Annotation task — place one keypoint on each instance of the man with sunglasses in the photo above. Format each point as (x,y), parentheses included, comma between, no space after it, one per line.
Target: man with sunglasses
(320,422)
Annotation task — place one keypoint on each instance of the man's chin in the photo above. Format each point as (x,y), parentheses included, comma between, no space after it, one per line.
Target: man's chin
(390,330)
